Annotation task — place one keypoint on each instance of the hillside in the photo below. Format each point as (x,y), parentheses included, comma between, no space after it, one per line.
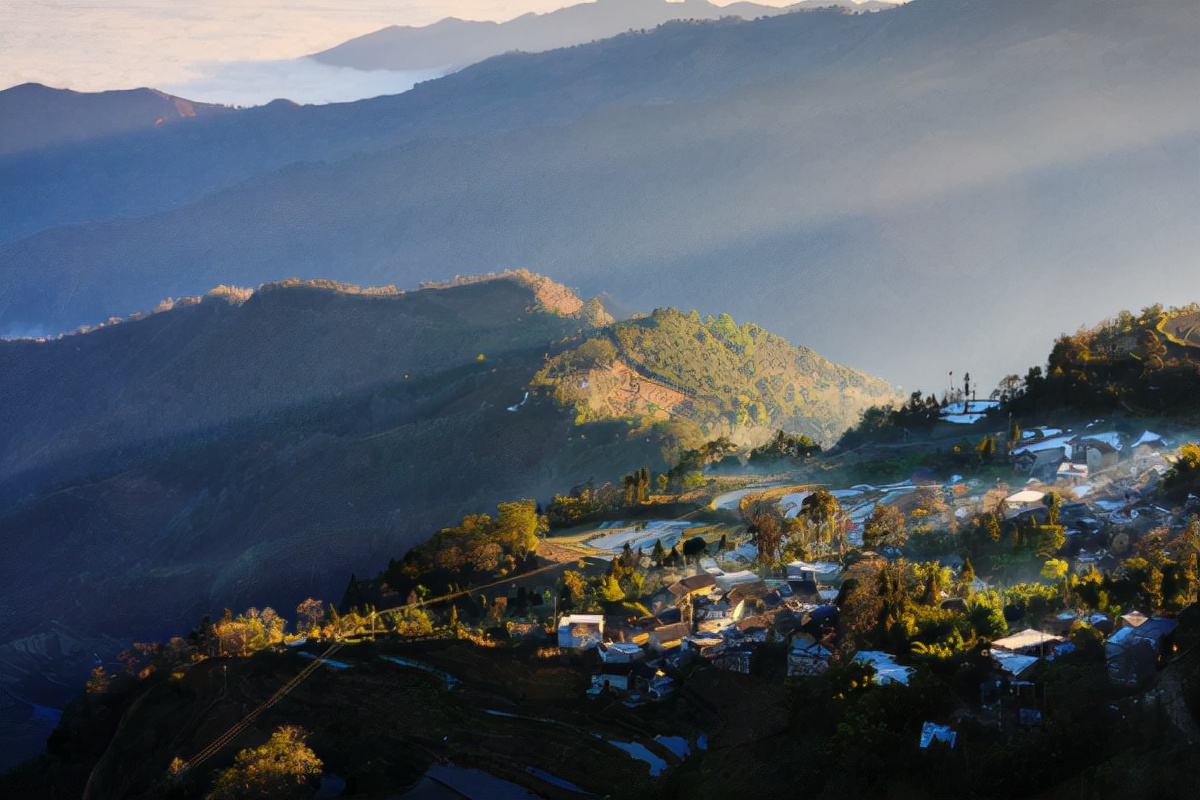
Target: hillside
(1143,364)
(33,116)
(255,448)
(851,176)
(725,379)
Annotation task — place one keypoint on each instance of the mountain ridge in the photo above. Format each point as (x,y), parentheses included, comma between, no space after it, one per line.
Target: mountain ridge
(453,43)
(34,116)
(860,167)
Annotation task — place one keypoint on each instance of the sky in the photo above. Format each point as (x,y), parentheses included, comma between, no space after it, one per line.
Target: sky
(232,51)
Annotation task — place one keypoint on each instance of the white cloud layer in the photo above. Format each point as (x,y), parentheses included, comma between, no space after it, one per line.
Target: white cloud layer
(302,80)
(93,45)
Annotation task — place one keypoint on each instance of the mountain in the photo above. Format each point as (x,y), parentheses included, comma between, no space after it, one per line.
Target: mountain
(258,447)
(454,43)
(941,178)
(33,116)
(724,379)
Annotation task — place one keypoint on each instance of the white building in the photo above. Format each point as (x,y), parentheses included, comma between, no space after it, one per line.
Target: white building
(580,631)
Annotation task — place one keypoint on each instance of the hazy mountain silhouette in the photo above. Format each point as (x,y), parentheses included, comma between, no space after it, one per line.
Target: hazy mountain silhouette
(454,43)
(958,179)
(33,116)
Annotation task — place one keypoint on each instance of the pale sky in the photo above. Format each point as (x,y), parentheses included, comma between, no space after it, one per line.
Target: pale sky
(92,45)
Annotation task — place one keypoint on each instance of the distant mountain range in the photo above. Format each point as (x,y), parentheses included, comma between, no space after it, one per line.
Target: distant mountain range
(33,116)
(945,179)
(454,43)
(258,447)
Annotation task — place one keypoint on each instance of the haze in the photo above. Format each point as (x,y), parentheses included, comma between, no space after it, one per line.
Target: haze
(240,52)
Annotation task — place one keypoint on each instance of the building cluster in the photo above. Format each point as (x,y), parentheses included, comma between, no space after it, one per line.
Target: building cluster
(718,617)
(1108,483)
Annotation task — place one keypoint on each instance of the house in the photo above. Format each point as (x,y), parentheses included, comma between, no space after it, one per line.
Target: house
(1026,500)
(1134,652)
(1099,450)
(807,656)
(736,659)
(746,593)
(1015,665)
(661,599)
(580,631)
(931,733)
(752,630)
(620,652)
(886,669)
(1148,444)
(1029,642)
(611,677)
(704,608)
(689,586)
(727,580)
(705,645)
(1071,474)
(1040,464)
(665,636)
(660,685)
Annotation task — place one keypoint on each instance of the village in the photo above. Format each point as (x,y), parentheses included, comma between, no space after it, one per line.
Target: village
(724,608)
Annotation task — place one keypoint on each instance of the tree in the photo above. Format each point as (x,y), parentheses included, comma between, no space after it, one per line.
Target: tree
(310,612)
(1054,569)
(991,524)
(1053,502)
(99,682)
(822,509)
(884,528)
(574,587)
(658,553)
(967,576)
(1184,475)
(694,547)
(518,526)
(282,768)
(1014,435)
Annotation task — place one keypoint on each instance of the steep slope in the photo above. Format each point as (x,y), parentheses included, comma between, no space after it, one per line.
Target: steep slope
(33,116)
(881,186)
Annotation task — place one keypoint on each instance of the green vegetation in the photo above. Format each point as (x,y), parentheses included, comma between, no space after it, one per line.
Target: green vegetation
(1127,362)
(476,550)
(717,375)
(282,768)
(784,446)
(1184,476)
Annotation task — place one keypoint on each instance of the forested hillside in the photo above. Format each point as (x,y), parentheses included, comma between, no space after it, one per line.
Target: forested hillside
(723,379)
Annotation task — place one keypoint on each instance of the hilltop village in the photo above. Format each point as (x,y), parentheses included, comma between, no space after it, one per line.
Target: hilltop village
(991,607)
(963,597)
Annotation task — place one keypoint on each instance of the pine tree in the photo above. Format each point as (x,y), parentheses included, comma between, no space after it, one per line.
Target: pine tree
(992,526)
(658,554)
(627,556)
(932,592)
(968,573)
